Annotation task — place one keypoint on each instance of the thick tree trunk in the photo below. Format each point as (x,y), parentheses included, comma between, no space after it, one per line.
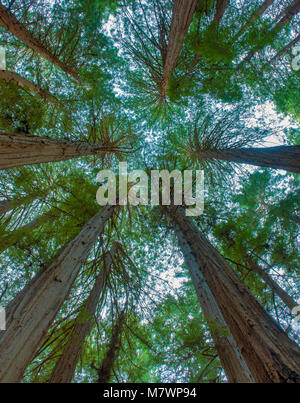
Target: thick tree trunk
(269,354)
(65,367)
(255,16)
(183,11)
(24,149)
(280,292)
(30,314)
(220,10)
(10,22)
(9,76)
(107,365)
(281,157)
(231,359)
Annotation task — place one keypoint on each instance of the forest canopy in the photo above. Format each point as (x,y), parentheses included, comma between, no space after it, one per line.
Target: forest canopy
(124,293)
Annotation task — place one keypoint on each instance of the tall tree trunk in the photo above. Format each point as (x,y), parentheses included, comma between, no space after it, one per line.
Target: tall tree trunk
(9,76)
(269,354)
(107,364)
(220,10)
(65,367)
(183,11)
(253,18)
(25,149)
(280,292)
(231,359)
(281,157)
(30,314)
(10,22)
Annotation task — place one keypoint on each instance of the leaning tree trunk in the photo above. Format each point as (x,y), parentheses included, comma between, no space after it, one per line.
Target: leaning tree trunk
(10,22)
(10,77)
(220,10)
(65,367)
(231,359)
(32,311)
(24,149)
(281,157)
(183,11)
(107,365)
(269,354)
(280,292)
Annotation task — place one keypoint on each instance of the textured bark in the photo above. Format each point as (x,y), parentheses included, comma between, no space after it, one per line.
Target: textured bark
(25,149)
(107,365)
(255,16)
(183,11)
(281,157)
(269,354)
(5,206)
(30,314)
(9,76)
(280,292)
(10,22)
(220,10)
(65,367)
(231,359)
(285,49)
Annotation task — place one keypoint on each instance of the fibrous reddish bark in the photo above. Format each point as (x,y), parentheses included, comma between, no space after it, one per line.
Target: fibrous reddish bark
(269,354)
(10,22)
(231,359)
(65,367)
(24,149)
(183,11)
(31,313)
(281,157)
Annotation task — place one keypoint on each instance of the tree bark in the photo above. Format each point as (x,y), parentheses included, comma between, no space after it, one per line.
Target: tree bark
(231,359)
(281,157)
(220,10)
(183,11)
(26,149)
(9,76)
(280,292)
(269,354)
(10,22)
(31,313)
(65,367)
(107,365)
